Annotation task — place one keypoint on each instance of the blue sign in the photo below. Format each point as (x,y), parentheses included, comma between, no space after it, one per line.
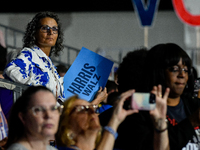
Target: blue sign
(145,13)
(88,72)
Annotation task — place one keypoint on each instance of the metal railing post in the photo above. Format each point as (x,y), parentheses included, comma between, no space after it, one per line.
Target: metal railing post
(6,36)
(15,40)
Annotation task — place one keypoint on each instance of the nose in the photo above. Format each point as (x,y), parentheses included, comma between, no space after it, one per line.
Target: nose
(92,111)
(50,31)
(47,114)
(182,73)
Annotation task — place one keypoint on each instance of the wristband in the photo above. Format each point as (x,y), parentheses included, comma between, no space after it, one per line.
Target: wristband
(109,129)
(162,130)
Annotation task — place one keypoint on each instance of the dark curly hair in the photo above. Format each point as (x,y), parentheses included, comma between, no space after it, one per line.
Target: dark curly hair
(130,70)
(29,37)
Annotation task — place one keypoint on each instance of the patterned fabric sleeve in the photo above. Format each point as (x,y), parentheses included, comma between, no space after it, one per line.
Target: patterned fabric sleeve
(33,67)
(19,69)
(24,70)
(3,125)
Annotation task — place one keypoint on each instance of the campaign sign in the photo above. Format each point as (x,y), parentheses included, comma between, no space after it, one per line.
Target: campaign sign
(146,13)
(184,14)
(88,72)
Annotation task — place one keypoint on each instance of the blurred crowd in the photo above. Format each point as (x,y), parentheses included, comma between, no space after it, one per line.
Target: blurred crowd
(42,118)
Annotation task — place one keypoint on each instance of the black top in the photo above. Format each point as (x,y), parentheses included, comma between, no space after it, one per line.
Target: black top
(137,130)
(176,113)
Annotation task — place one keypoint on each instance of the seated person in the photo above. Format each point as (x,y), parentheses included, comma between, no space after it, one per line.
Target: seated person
(33,65)
(61,69)
(33,120)
(79,126)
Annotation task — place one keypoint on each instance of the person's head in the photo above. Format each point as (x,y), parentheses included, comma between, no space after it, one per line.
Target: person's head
(131,69)
(169,65)
(61,69)
(111,86)
(113,98)
(34,114)
(79,117)
(44,30)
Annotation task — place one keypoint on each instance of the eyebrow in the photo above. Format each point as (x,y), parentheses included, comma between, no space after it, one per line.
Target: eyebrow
(44,105)
(181,66)
(48,25)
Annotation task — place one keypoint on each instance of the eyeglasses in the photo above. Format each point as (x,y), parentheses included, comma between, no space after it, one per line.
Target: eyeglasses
(46,29)
(178,69)
(86,109)
(40,110)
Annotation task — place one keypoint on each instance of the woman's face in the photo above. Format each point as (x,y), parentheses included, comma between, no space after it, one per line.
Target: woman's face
(83,120)
(177,78)
(45,36)
(41,123)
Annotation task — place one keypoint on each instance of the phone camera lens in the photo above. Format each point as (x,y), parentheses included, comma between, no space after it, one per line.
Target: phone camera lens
(152,99)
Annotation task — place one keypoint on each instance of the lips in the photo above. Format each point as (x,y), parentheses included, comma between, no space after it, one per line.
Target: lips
(49,38)
(48,125)
(180,83)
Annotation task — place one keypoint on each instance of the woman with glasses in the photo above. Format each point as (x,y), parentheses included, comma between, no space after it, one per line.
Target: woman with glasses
(80,128)
(33,65)
(169,65)
(33,120)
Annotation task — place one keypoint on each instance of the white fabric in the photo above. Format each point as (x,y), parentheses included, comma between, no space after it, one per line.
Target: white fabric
(34,67)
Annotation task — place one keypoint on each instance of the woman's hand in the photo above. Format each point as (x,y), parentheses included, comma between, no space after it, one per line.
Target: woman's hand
(159,113)
(119,113)
(161,140)
(100,96)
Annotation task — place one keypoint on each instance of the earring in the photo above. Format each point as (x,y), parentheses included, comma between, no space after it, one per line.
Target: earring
(70,136)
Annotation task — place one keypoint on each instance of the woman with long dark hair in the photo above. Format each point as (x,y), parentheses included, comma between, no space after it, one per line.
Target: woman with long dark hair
(33,65)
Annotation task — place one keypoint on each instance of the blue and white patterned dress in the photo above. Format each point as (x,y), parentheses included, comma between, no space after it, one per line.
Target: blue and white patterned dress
(33,67)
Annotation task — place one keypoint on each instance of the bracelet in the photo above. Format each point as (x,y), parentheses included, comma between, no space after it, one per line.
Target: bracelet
(109,129)
(162,130)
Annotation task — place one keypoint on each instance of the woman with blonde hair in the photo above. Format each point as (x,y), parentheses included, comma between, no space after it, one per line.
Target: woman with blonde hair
(80,128)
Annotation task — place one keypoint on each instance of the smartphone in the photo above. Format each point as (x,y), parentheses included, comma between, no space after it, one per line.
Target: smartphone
(143,101)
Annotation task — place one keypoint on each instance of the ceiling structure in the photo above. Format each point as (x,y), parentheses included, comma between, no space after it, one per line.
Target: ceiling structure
(74,6)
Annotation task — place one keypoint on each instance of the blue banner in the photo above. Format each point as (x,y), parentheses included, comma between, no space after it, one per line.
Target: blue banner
(145,13)
(88,72)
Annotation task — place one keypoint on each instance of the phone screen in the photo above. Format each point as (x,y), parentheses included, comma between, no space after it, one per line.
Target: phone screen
(143,101)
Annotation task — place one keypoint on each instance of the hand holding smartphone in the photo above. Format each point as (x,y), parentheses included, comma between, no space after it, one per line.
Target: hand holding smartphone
(143,101)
